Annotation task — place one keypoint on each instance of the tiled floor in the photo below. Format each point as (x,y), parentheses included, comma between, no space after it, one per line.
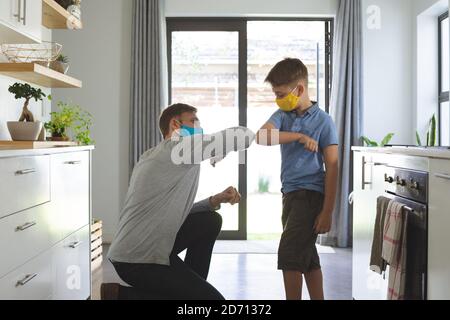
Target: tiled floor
(240,276)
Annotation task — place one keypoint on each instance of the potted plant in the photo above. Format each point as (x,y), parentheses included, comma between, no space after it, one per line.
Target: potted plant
(431,133)
(26,129)
(61,64)
(70,122)
(372,143)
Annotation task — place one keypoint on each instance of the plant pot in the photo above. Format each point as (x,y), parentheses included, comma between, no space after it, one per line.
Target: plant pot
(52,138)
(24,131)
(59,66)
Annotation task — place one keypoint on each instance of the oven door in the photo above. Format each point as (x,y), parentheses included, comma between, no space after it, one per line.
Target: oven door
(417,244)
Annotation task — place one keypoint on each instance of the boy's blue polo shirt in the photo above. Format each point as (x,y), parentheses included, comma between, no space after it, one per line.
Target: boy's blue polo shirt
(301,169)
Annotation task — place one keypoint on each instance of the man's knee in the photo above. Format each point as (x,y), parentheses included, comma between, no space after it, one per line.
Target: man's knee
(216,222)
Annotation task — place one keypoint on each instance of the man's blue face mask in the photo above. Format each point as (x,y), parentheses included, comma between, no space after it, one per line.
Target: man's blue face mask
(186,131)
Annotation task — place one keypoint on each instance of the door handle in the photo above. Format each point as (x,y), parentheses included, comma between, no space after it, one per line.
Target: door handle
(442,176)
(25,280)
(72,162)
(24,18)
(75,244)
(24,172)
(363,182)
(26,226)
(19,11)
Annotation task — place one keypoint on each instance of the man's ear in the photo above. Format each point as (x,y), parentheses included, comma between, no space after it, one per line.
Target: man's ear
(174,124)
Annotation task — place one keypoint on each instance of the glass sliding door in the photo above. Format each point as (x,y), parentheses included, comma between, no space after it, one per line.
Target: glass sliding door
(205,72)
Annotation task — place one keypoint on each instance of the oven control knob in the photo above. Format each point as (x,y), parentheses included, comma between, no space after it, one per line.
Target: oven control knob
(388,179)
(401,182)
(414,185)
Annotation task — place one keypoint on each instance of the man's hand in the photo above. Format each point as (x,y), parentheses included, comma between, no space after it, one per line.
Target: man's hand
(230,195)
(323,223)
(310,144)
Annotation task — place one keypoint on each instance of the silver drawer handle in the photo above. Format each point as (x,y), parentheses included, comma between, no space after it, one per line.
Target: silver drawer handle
(25,280)
(442,176)
(72,162)
(25,226)
(75,244)
(24,172)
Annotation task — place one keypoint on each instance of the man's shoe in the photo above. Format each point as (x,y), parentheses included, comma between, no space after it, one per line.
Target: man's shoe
(109,291)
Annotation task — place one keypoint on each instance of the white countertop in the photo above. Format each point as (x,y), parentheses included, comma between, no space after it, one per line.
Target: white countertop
(7,152)
(409,151)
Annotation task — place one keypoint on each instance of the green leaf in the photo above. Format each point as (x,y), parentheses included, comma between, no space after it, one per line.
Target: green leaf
(433,131)
(387,139)
(419,142)
(369,142)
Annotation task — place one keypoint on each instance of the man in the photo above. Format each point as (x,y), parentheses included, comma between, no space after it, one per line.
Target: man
(159,219)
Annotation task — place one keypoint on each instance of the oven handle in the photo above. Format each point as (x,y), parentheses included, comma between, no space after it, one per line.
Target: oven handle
(442,176)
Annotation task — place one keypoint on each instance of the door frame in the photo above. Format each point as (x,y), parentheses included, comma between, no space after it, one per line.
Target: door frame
(174,24)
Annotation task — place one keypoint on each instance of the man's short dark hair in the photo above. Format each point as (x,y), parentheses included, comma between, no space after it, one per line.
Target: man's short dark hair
(287,72)
(171,112)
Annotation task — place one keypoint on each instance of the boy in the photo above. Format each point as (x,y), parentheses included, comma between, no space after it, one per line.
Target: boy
(308,140)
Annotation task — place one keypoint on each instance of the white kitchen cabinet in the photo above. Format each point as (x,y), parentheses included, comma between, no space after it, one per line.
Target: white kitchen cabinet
(25,183)
(32,281)
(72,259)
(21,21)
(28,233)
(368,186)
(45,249)
(439,226)
(70,190)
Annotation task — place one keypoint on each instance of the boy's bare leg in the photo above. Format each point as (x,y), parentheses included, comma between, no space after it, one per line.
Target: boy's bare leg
(293,283)
(314,282)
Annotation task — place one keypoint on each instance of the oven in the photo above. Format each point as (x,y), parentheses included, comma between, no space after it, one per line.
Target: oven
(410,188)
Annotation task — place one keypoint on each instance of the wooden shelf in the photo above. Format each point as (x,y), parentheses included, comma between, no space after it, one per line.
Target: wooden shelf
(56,17)
(39,75)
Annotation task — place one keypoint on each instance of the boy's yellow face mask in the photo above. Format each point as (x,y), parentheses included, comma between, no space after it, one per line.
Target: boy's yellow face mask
(288,103)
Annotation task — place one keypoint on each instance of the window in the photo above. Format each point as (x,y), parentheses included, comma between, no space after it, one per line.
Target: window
(444,113)
(219,66)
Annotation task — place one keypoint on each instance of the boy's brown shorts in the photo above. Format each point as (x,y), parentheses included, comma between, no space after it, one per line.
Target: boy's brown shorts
(297,250)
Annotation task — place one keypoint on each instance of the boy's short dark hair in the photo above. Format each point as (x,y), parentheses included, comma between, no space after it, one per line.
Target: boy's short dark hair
(171,112)
(287,72)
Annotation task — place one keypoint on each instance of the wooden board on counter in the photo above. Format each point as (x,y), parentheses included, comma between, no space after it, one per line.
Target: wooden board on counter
(36,144)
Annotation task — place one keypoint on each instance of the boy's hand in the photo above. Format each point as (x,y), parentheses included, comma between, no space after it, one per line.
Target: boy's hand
(310,143)
(323,223)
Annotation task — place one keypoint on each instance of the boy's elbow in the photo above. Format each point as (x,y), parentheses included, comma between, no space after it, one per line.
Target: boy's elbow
(262,138)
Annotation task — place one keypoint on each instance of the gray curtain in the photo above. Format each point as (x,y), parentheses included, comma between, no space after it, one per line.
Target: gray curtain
(148,76)
(347,111)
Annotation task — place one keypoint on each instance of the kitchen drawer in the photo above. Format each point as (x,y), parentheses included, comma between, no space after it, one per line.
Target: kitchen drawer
(32,281)
(70,190)
(72,278)
(25,183)
(27,234)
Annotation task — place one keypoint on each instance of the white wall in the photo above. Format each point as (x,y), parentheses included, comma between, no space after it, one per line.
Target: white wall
(100,57)
(234,8)
(388,72)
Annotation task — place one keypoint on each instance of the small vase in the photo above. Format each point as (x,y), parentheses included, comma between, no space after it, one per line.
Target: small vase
(75,11)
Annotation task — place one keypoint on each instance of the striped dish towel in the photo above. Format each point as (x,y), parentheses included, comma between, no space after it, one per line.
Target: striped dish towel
(394,249)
